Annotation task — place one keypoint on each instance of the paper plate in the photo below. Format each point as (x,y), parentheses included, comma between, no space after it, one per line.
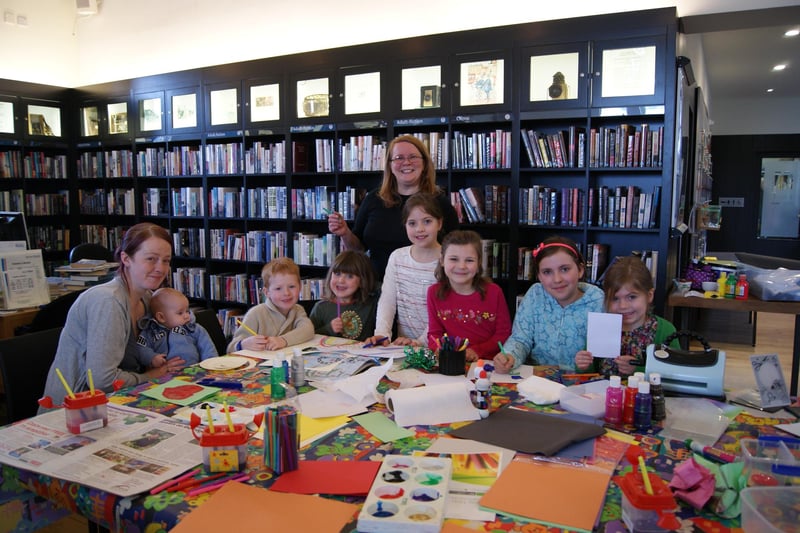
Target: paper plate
(227,362)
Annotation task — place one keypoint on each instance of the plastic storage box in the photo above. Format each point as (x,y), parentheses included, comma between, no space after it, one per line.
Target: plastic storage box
(585,399)
(86,411)
(770,509)
(771,462)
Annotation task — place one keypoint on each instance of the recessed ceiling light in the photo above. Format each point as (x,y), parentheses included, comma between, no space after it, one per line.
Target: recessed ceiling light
(770,90)
(779,67)
(792,33)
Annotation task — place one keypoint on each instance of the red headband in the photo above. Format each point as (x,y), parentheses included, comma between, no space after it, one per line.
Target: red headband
(542,246)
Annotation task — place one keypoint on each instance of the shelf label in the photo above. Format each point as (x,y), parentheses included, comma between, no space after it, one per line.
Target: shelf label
(311,128)
(427,121)
(487,117)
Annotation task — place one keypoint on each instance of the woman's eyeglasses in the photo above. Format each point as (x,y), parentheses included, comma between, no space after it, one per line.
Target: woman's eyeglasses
(403,158)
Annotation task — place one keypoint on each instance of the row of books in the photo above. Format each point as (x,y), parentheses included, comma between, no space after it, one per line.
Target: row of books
(551,206)
(12,200)
(49,237)
(561,149)
(258,246)
(487,204)
(100,234)
(226,202)
(495,258)
(247,290)
(47,203)
(101,202)
(362,153)
(267,202)
(318,158)
(481,150)
(190,281)
(32,165)
(179,161)
(223,158)
(623,207)
(626,145)
(315,250)
(109,164)
(188,202)
(265,158)
(189,242)
(313,204)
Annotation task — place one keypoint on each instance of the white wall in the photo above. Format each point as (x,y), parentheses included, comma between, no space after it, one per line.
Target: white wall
(762,117)
(134,38)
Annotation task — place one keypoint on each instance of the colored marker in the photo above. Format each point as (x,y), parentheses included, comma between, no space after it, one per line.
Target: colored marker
(379,340)
(712,454)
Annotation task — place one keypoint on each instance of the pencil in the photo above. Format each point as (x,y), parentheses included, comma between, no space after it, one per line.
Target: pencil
(246,327)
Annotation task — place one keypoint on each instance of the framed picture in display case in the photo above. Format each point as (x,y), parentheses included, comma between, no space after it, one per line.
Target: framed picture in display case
(421,87)
(362,93)
(183,110)
(631,71)
(151,112)
(7,119)
(223,106)
(482,82)
(265,102)
(44,120)
(117,118)
(313,98)
(554,77)
(90,121)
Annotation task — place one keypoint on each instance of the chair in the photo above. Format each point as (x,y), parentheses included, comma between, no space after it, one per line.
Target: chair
(90,250)
(208,319)
(24,363)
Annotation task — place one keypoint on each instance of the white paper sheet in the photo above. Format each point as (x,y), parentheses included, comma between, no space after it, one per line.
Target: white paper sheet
(604,334)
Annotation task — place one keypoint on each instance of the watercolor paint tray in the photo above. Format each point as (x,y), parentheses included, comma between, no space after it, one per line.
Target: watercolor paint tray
(408,494)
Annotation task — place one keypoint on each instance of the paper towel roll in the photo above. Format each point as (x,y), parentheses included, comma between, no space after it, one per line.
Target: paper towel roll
(437,404)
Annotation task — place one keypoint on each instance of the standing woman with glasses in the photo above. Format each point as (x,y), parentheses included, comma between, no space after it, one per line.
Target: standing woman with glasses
(378,228)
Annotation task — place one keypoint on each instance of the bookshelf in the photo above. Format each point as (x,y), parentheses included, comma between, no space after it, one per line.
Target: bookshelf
(239,161)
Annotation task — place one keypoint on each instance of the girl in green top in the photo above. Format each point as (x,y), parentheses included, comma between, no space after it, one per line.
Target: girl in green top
(349,304)
(628,288)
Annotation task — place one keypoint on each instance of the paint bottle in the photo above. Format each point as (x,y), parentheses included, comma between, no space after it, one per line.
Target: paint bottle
(659,403)
(614,401)
(277,378)
(630,399)
(721,284)
(730,287)
(643,408)
(742,288)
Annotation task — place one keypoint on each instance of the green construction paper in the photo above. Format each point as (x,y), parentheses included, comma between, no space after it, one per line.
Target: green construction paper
(729,480)
(382,427)
(157,392)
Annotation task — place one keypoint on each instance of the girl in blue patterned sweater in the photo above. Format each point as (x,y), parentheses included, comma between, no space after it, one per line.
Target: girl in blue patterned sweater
(550,324)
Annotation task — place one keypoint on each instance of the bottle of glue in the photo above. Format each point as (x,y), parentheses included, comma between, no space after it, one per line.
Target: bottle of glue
(481,398)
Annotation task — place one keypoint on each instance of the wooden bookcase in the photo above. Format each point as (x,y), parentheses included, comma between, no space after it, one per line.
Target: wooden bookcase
(252,137)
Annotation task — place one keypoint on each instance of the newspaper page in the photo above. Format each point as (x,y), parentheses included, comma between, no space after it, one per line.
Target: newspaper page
(135,452)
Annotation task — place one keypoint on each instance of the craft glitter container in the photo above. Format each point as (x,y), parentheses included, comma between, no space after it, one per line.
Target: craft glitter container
(408,494)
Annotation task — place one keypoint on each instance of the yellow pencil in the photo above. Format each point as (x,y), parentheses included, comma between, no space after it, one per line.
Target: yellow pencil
(90,380)
(210,419)
(246,327)
(228,417)
(64,382)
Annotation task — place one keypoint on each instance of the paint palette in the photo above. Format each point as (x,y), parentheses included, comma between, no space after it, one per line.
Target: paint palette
(408,494)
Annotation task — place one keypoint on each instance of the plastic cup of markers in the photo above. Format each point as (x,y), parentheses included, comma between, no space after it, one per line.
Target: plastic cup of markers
(86,411)
(452,362)
(225,450)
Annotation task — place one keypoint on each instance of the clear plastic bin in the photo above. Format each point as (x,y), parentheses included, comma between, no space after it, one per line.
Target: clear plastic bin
(769,463)
(770,509)
(585,399)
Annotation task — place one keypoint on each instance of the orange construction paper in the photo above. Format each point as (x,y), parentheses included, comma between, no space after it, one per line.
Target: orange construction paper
(549,493)
(242,507)
(329,477)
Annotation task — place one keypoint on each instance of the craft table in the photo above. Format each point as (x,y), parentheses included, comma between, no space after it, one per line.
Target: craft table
(752,304)
(147,512)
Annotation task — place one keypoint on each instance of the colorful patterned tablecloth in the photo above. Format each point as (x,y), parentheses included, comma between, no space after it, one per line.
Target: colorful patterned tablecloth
(153,513)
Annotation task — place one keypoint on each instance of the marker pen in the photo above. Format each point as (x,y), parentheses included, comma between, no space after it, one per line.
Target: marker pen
(712,454)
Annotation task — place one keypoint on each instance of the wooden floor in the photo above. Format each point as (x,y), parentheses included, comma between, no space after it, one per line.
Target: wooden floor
(774,335)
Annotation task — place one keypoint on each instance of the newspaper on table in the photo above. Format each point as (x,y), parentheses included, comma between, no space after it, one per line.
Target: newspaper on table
(136,451)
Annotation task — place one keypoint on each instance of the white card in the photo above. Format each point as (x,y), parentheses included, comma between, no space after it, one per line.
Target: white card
(769,380)
(604,334)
